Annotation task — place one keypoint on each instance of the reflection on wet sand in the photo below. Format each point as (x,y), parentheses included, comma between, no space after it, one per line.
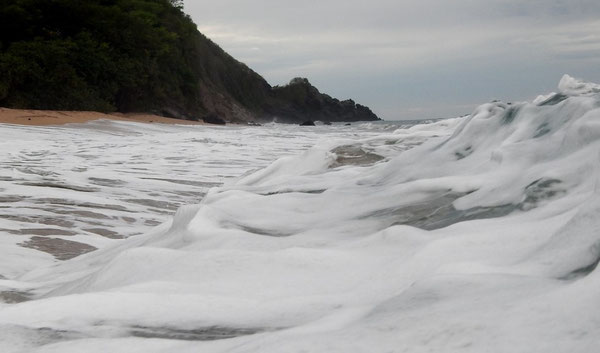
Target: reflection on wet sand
(61,249)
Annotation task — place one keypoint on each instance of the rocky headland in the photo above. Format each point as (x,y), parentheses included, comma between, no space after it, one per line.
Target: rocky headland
(143,56)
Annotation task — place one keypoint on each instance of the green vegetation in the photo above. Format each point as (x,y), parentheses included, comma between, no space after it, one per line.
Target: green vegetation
(101,55)
(126,55)
(123,55)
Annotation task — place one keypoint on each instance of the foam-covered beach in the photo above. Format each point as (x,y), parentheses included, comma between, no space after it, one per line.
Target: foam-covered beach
(473,234)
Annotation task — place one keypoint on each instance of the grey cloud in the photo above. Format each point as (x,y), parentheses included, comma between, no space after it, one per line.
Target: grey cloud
(413,57)
(552,9)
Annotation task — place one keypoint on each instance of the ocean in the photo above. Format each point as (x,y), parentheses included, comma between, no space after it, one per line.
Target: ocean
(471,234)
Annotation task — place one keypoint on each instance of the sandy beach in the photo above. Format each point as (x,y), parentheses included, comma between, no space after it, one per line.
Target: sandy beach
(57,117)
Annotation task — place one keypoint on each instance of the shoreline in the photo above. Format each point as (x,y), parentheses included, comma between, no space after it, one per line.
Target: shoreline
(60,117)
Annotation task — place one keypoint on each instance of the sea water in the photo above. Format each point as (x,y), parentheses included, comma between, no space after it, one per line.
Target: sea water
(92,183)
(473,234)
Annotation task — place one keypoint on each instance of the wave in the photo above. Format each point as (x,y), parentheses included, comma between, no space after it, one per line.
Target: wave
(474,234)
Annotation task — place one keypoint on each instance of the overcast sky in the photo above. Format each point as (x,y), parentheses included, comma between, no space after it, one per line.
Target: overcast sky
(411,59)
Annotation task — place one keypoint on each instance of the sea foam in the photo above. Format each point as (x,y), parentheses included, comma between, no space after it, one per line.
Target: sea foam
(474,234)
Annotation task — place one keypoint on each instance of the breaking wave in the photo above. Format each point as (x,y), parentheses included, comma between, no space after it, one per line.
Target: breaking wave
(471,234)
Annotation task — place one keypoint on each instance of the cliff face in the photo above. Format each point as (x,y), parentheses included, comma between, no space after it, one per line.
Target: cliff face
(140,56)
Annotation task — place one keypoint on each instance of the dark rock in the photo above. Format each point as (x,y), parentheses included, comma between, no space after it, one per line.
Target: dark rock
(213,119)
(308,123)
(300,100)
(327,123)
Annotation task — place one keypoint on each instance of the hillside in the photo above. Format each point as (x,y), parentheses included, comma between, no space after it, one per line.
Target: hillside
(140,56)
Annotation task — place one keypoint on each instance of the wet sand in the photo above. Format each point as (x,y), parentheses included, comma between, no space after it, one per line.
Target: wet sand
(61,249)
(56,117)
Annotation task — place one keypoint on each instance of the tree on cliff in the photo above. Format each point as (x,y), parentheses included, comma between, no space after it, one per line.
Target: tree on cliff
(95,54)
(125,55)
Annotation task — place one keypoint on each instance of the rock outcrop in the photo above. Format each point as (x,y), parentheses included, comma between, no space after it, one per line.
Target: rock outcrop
(300,100)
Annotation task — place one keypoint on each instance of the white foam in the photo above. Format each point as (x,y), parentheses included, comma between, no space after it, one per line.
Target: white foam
(319,256)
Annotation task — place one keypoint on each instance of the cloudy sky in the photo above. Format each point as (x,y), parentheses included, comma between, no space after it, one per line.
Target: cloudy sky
(411,59)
